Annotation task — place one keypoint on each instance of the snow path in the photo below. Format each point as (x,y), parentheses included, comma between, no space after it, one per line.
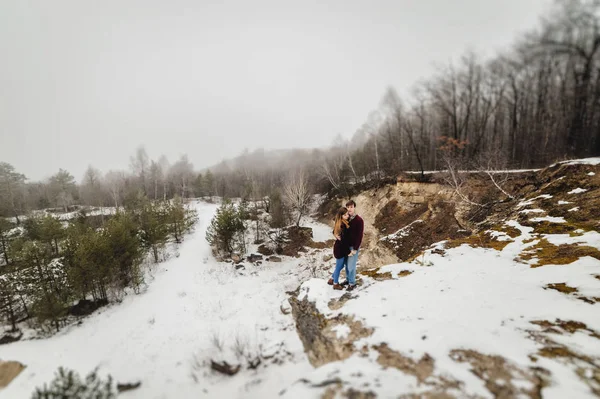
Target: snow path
(154,336)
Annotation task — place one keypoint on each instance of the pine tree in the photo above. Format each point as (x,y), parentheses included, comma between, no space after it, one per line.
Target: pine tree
(8,300)
(181,219)
(199,186)
(50,293)
(5,228)
(226,229)
(51,231)
(68,384)
(75,260)
(124,250)
(209,184)
(154,230)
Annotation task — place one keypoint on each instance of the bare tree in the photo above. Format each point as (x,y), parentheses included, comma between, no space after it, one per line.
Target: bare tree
(572,32)
(182,176)
(455,164)
(164,166)
(139,165)
(296,194)
(332,167)
(493,164)
(156,178)
(115,182)
(91,187)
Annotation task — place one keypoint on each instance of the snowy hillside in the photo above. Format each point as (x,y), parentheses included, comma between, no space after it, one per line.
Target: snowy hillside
(441,322)
(167,336)
(511,311)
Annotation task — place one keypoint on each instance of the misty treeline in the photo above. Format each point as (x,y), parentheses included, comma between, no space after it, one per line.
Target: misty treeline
(153,179)
(537,103)
(51,269)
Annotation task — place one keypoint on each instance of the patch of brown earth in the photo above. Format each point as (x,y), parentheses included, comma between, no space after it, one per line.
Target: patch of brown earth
(437,224)
(374,274)
(561,178)
(265,250)
(300,238)
(9,370)
(432,395)
(297,239)
(377,275)
(356,394)
(561,351)
(585,366)
(483,239)
(550,254)
(591,301)
(422,370)
(351,393)
(546,227)
(558,181)
(331,392)
(337,303)
(321,244)
(569,326)
(318,336)
(499,375)
(510,231)
(571,227)
(565,289)
(392,217)
(561,287)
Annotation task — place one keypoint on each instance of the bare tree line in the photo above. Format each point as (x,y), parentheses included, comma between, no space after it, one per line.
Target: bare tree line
(536,104)
(525,108)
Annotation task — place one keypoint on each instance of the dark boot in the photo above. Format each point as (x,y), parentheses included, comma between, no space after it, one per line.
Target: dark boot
(337,287)
(330,282)
(351,287)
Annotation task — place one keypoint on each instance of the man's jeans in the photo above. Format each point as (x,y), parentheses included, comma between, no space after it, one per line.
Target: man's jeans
(351,268)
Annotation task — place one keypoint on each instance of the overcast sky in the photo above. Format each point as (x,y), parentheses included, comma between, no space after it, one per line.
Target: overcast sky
(86,82)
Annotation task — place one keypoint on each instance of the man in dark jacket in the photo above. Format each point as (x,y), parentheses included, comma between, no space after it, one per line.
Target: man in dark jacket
(355,231)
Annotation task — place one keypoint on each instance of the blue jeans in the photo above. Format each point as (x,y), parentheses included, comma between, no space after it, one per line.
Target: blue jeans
(351,268)
(339,263)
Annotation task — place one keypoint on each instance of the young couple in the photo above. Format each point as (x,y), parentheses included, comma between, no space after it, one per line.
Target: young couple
(348,232)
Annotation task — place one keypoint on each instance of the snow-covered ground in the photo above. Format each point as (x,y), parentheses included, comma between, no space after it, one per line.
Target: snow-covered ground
(465,299)
(491,303)
(583,161)
(161,337)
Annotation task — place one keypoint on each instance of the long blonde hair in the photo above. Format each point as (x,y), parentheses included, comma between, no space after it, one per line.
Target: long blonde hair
(339,220)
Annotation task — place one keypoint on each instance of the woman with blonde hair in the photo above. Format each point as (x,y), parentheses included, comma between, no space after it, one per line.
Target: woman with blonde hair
(341,247)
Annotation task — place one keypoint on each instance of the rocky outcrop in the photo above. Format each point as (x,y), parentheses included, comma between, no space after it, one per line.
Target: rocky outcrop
(317,333)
